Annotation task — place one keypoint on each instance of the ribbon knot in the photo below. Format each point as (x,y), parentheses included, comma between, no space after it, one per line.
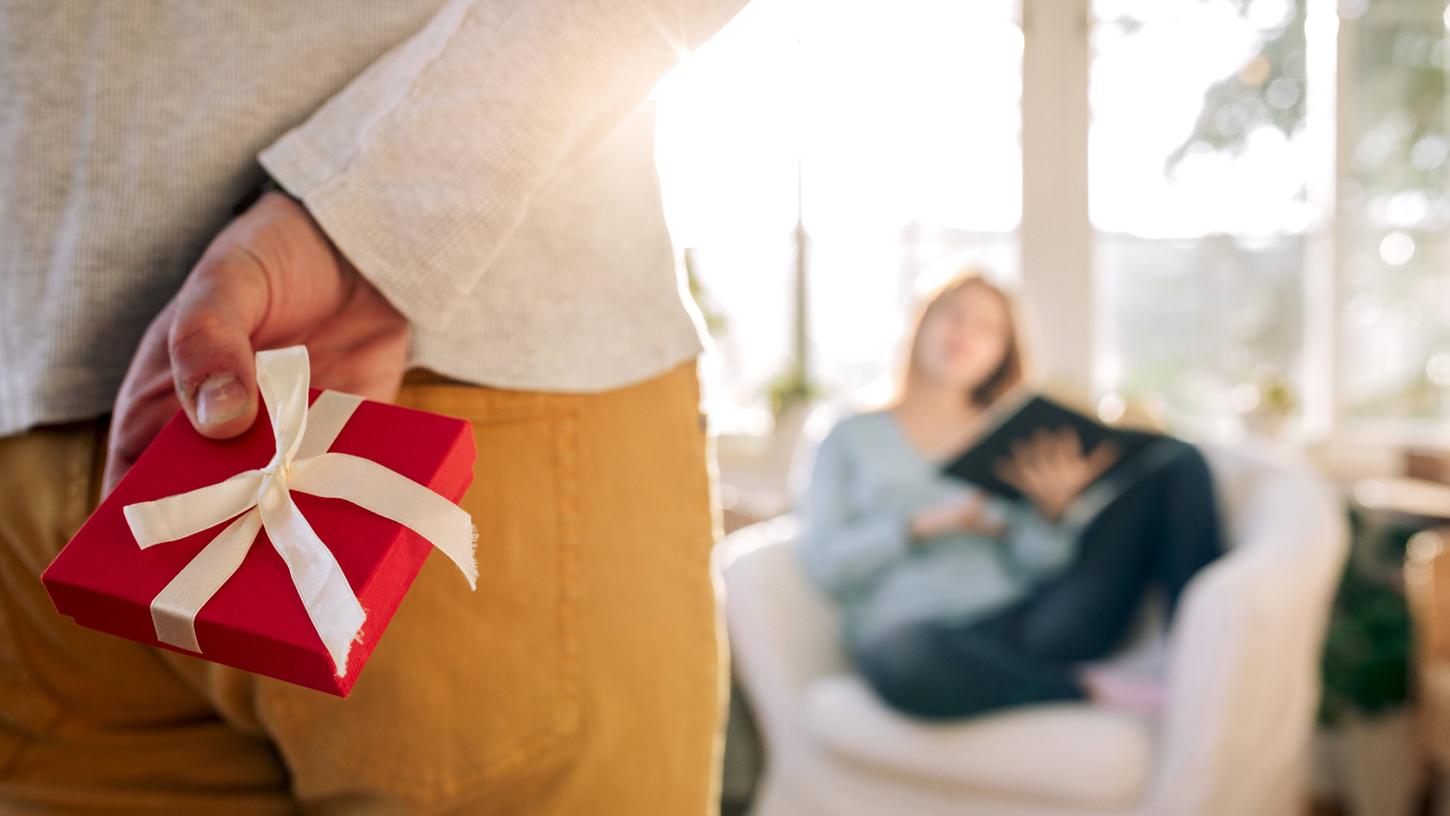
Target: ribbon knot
(262,499)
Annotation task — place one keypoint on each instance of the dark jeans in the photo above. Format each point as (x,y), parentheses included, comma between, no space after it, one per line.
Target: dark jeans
(1158,533)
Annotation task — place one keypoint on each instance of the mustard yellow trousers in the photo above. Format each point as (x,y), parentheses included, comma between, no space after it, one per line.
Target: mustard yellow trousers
(586,675)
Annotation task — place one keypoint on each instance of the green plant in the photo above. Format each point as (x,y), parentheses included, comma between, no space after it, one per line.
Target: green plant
(1276,396)
(1367,650)
(789,389)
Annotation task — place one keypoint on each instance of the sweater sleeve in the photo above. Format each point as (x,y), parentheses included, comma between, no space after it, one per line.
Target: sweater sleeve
(843,547)
(422,166)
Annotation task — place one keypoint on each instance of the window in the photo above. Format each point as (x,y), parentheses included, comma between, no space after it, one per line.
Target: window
(1266,193)
(892,130)
(1394,308)
(1198,192)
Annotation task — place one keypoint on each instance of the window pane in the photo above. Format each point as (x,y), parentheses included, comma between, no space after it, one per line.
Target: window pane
(1395,292)
(1198,164)
(900,122)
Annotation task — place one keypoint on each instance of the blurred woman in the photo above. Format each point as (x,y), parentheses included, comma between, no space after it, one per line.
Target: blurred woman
(957,602)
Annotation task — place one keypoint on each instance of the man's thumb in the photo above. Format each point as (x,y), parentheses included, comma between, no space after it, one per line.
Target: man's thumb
(212,361)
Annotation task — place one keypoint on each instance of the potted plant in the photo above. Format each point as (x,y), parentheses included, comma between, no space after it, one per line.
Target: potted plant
(1366,750)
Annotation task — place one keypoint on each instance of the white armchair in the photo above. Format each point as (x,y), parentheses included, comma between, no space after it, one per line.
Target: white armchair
(1241,663)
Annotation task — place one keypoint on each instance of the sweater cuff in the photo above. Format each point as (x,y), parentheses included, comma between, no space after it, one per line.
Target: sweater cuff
(346,207)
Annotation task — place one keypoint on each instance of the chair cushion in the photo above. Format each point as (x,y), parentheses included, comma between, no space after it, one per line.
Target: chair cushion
(1071,753)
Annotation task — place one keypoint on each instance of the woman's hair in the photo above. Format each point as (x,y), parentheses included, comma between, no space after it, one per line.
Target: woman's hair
(1012,368)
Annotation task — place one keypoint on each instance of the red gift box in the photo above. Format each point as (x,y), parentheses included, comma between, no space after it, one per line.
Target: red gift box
(256,621)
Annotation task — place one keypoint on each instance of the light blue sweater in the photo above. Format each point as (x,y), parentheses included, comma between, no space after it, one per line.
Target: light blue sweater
(866,482)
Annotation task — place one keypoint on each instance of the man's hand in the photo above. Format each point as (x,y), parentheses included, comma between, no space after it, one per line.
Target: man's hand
(270,279)
(1050,468)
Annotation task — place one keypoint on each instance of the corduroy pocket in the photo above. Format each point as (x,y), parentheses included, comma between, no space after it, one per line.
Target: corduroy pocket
(465,689)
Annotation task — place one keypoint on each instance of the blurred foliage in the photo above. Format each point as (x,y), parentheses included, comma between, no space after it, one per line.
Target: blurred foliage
(789,389)
(1267,90)
(1276,395)
(1396,105)
(1397,139)
(1396,181)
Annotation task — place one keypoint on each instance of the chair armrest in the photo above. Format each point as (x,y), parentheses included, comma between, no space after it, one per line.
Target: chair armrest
(1245,652)
(783,633)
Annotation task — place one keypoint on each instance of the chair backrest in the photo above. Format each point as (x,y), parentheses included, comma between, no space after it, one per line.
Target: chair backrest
(1237,470)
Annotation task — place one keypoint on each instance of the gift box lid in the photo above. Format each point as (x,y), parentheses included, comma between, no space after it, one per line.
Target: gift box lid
(256,621)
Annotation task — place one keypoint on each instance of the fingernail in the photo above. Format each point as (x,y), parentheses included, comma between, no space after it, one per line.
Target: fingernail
(220,398)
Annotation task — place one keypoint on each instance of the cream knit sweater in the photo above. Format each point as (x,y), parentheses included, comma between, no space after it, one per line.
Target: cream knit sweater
(487,164)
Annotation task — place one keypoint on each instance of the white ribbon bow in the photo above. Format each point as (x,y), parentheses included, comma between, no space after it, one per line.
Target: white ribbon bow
(263,498)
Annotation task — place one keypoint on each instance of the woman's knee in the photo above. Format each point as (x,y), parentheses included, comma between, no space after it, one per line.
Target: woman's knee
(1188,466)
(902,665)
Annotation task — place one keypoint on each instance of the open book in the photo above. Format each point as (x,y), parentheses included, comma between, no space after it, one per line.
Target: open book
(1016,416)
